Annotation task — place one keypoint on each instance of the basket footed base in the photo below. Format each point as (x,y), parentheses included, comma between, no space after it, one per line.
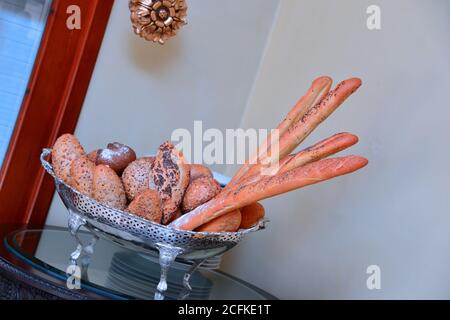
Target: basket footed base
(83,253)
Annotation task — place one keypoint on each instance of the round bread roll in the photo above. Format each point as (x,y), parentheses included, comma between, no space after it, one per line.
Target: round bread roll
(66,149)
(117,156)
(93,155)
(82,173)
(229,222)
(200,191)
(251,214)
(108,188)
(198,170)
(136,177)
(147,205)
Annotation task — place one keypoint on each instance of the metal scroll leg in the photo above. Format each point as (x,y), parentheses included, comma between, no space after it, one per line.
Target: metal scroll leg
(88,252)
(167,255)
(75,223)
(187,277)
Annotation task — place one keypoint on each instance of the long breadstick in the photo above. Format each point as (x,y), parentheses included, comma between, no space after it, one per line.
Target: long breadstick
(318,90)
(314,117)
(301,129)
(320,150)
(269,187)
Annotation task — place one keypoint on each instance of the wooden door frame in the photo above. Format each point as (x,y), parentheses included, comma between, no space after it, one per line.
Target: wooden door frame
(51,106)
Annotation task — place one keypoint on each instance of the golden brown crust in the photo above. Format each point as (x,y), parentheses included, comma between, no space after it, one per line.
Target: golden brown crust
(117,156)
(82,173)
(198,170)
(199,192)
(147,205)
(228,222)
(108,188)
(136,177)
(170,174)
(66,149)
(251,214)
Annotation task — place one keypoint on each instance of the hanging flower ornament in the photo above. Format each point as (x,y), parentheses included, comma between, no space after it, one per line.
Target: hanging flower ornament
(157,20)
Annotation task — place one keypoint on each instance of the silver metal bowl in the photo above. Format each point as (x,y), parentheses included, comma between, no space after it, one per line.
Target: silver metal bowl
(139,234)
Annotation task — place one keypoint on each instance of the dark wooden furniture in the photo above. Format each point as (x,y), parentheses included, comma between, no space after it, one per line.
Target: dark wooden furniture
(51,107)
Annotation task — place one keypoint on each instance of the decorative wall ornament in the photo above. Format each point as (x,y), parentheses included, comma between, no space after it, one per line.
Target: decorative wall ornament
(157,20)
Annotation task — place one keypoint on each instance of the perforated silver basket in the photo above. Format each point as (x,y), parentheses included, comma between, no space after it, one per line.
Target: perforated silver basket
(139,234)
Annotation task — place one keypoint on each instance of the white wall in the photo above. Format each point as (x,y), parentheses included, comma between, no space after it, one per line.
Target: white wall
(395,213)
(140,92)
(321,239)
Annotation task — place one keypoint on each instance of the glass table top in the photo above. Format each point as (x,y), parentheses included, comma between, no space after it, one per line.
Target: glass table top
(119,273)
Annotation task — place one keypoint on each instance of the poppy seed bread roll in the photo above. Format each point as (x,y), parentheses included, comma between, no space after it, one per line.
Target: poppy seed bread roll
(147,205)
(82,174)
(66,149)
(108,188)
(136,177)
(198,171)
(228,222)
(200,191)
(251,214)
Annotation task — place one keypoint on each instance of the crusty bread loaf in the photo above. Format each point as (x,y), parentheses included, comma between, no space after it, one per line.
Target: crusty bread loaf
(108,188)
(170,174)
(117,156)
(228,222)
(198,170)
(199,192)
(82,173)
(136,177)
(66,149)
(147,205)
(251,214)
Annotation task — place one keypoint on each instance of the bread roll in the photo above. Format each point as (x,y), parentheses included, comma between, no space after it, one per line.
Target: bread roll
(228,222)
(66,149)
(198,170)
(170,174)
(117,156)
(199,192)
(93,155)
(108,188)
(136,177)
(82,173)
(147,205)
(251,214)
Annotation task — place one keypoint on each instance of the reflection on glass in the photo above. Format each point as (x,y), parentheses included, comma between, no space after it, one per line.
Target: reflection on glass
(22,23)
(119,273)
